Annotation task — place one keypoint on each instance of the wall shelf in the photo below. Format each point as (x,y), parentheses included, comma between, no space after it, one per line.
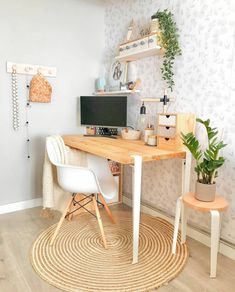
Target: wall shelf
(118,92)
(140,54)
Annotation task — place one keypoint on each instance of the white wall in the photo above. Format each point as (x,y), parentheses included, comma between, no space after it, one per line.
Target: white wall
(68,34)
(204,78)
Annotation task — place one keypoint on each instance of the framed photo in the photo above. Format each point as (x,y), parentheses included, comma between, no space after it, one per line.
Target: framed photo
(117,74)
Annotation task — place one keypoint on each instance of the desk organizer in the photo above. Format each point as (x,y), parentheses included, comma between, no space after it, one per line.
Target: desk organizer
(170,126)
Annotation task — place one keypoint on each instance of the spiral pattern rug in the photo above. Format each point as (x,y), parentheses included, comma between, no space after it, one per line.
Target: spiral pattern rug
(78,261)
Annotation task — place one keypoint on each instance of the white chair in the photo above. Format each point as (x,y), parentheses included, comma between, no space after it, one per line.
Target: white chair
(95,181)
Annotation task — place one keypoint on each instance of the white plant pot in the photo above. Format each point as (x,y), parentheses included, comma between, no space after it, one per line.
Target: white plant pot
(205,192)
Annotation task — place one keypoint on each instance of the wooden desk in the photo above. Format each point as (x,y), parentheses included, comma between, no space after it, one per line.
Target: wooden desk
(120,150)
(131,152)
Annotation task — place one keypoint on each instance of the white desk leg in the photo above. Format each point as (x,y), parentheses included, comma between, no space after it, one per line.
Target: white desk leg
(177,221)
(180,209)
(136,196)
(185,189)
(215,235)
(186,172)
(183,222)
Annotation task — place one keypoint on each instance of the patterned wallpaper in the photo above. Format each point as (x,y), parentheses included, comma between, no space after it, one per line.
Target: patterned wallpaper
(205,85)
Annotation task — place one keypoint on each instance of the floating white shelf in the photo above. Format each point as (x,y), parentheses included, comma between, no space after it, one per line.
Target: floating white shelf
(140,54)
(118,92)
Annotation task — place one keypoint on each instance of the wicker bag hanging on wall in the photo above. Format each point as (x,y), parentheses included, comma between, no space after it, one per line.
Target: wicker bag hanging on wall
(40,89)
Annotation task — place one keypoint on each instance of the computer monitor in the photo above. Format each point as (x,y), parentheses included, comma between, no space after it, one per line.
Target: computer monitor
(103,111)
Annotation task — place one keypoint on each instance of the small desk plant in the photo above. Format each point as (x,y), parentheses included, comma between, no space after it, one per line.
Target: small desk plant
(207,162)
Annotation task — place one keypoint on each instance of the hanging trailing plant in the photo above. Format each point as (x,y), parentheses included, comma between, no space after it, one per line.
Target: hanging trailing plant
(169,41)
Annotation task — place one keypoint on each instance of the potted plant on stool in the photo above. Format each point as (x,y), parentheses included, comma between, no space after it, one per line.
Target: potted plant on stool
(207,162)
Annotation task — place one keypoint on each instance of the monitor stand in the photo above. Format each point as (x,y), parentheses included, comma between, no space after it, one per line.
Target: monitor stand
(105,132)
(104,136)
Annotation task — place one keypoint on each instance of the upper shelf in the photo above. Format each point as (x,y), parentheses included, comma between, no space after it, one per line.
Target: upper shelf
(118,92)
(140,54)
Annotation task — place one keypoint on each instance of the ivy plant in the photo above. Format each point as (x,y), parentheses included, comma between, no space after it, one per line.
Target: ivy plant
(209,161)
(169,41)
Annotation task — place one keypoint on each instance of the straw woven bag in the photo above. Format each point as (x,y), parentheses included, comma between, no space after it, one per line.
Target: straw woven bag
(40,89)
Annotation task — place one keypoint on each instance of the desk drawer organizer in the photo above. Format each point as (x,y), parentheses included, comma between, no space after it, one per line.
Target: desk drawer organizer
(169,128)
(137,45)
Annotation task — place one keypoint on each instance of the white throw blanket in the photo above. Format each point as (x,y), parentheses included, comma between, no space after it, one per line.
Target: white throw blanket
(54,197)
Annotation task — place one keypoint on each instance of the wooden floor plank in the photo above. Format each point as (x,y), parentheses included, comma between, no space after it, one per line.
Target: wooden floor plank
(18,230)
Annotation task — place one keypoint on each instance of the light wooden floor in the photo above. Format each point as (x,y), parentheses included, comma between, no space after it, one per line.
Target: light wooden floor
(18,230)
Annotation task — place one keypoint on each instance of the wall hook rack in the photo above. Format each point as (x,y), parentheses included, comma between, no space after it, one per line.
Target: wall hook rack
(28,69)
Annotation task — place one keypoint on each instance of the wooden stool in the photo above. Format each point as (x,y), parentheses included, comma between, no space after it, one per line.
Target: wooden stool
(215,207)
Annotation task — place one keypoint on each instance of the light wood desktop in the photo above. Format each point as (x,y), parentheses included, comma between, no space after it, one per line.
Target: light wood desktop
(120,150)
(131,153)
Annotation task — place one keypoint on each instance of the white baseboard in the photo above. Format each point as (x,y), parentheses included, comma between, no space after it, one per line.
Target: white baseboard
(9,208)
(199,235)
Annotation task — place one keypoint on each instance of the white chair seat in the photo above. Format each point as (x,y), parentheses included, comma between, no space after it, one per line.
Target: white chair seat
(107,184)
(109,189)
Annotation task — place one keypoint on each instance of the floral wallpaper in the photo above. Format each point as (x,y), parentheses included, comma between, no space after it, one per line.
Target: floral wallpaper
(205,85)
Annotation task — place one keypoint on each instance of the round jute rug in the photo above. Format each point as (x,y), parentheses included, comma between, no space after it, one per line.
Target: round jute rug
(78,261)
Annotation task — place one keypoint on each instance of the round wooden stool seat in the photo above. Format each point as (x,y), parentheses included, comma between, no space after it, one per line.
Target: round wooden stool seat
(219,204)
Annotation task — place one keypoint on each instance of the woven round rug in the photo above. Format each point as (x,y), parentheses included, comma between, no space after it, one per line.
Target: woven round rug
(78,261)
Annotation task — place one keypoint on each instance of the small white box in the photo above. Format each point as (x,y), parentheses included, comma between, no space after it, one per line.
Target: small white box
(153,41)
(128,49)
(135,46)
(142,43)
(122,50)
(167,120)
(166,131)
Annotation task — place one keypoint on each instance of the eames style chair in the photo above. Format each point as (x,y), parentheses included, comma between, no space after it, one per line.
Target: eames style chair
(94,182)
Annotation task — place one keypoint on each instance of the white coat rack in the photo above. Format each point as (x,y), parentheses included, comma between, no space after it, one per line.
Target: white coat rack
(25,69)
(28,69)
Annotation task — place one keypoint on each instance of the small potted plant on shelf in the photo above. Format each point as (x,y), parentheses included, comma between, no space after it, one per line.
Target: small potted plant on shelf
(168,39)
(207,162)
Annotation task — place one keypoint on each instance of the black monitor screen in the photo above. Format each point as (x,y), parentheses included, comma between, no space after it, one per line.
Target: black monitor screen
(103,110)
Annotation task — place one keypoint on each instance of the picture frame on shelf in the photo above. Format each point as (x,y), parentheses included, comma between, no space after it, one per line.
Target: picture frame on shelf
(117,74)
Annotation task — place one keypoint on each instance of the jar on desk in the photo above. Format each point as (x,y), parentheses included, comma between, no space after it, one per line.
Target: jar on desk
(148,132)
(152,140)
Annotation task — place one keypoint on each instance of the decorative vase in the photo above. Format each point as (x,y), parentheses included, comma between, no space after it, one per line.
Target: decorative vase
(154,24)
(132,72)
(205,192)
(100,84)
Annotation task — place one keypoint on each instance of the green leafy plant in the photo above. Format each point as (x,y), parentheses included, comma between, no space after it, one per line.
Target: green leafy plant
(169,41)
(209,161)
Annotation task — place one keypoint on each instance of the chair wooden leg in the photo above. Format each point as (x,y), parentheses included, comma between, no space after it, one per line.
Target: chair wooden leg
(99,221)
(107,208)
(61,221)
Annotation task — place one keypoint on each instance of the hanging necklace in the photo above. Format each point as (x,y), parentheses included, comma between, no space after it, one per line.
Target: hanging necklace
(28,106)
(15,102)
